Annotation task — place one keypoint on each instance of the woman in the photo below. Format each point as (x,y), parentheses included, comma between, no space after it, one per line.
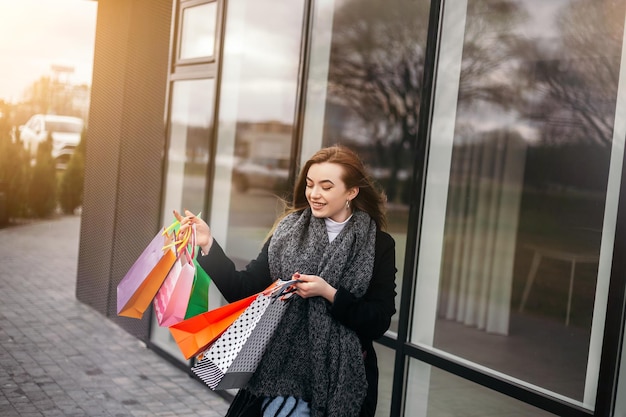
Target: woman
(321,361)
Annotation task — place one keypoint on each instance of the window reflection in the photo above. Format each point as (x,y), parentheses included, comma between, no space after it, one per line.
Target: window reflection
(372,103)
(255,131)
(198,34)
(385,358)
(528,186)
(433,392)
(191,121)
(263,152)
(190,128)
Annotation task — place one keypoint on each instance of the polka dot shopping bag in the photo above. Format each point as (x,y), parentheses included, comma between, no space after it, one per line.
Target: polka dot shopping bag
(232,359)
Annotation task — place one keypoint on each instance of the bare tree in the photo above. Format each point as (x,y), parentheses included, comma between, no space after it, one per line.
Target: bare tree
(490,64)
(577,87)
(376,68)
(377,65)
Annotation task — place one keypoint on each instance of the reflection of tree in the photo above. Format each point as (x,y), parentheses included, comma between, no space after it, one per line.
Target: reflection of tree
(48,95)
(488,68)
(577,90)
(377,63)
(568,89)
(560,80)
(376,70)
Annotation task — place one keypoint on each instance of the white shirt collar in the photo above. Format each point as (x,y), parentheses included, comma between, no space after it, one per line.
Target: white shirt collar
(333,227)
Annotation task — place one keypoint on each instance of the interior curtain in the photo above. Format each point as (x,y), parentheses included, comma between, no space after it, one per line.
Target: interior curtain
(481,231)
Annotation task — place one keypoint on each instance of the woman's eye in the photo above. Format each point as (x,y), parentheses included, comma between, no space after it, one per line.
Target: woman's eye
(326,188)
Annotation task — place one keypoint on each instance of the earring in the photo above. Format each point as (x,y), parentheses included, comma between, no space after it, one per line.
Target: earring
(347,204)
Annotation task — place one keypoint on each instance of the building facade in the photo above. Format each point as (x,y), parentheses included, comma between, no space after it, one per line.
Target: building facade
(496,128)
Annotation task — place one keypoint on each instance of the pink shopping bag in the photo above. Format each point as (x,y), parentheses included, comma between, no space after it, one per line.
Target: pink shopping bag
(170,303)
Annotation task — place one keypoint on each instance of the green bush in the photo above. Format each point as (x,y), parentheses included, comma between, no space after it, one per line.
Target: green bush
(14,174)
(42,196)
(71,187)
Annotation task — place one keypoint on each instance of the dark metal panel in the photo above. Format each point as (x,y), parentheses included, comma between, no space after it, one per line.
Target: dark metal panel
(612,344)
(125,148)
(301,93)
(416,206)
(102,155)
(138,214)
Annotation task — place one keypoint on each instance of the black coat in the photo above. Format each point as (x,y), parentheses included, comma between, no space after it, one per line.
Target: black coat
(369,316)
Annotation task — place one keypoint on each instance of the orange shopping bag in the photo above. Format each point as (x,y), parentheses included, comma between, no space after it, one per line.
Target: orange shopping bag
(139,286)
(196,333)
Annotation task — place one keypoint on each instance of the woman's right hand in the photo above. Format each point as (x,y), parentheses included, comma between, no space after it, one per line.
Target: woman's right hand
(204,239)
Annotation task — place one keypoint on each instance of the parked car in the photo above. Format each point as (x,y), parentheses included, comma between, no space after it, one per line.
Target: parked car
(66,132)
(265,173)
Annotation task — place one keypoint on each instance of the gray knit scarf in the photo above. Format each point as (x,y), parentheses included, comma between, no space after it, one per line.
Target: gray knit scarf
(312,356)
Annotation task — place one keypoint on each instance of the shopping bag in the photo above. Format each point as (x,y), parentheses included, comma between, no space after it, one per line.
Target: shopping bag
(144,278)
(199,298)
(232,359)
(193,335)
(170,303)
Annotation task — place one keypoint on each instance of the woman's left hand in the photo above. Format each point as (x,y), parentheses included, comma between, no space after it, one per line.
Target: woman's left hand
(313,286)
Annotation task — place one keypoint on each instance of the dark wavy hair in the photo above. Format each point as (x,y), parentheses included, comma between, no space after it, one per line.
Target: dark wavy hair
(370,199)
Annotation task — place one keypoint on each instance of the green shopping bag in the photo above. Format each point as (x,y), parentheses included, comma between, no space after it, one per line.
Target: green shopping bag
(199,298)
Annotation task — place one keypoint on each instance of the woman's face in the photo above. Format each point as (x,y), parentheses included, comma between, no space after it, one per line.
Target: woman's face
(327,193)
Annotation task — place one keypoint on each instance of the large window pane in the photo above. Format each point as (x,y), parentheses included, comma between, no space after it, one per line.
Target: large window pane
(521,196)
(191,123)
(435,393)
(255,129)
(386,358)
(364,91)
(198,32)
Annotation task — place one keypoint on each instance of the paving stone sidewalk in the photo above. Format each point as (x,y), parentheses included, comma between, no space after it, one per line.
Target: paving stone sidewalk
(59,357)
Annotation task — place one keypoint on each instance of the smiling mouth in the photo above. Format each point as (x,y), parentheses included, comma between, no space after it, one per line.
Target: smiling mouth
(317,205)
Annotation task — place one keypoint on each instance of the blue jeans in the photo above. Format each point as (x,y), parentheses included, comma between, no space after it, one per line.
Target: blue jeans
(291,407)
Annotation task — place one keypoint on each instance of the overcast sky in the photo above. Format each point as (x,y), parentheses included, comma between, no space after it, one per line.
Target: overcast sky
(36,34)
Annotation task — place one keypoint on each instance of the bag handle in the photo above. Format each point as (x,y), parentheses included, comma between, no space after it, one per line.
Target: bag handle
(282,289)
(191,243)
(181,242)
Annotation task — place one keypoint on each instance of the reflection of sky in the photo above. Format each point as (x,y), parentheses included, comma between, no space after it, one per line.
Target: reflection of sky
(542,19)
(483,117)
(198,31)
(189,102)
(267,43)
(542,26)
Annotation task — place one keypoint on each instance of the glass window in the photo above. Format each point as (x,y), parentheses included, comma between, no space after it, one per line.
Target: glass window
(188,155)
(521,194)
(255,130)
(436,393)
(364,87)
(386,357)
(198,31)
